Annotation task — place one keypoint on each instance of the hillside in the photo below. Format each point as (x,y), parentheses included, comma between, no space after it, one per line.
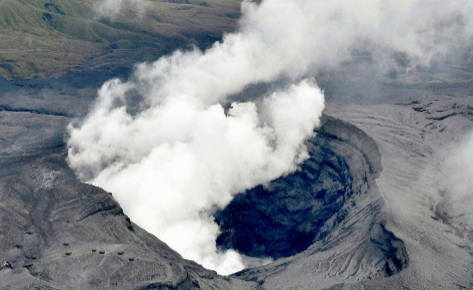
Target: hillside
(42,38)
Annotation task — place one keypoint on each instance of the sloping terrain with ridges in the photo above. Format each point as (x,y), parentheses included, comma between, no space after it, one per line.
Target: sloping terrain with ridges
(58,233)
(42,38)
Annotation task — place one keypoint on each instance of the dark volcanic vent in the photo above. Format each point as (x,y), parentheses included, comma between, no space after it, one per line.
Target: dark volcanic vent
(291,213)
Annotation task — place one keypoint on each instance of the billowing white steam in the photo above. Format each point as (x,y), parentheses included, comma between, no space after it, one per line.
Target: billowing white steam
(174,153)
(171,164)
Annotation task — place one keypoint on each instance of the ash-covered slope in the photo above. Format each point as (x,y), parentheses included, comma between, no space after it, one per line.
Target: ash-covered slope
(412,139)
(345,221)
(58,233)
(54,227)
(390,224)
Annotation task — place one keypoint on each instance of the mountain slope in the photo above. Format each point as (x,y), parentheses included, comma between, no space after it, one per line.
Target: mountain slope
(42,38)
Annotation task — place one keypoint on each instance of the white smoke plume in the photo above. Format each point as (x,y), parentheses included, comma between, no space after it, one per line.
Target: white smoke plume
(170,165)
(165,146)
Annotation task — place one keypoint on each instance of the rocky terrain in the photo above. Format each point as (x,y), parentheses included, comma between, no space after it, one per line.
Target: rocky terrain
(369,209)
(368,205)
(398,233)
(58,233)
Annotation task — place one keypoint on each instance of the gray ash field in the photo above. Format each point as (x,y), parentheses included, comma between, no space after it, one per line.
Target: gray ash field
(370,208)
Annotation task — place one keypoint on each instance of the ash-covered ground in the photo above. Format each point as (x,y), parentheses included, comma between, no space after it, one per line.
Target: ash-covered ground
(371,208)
(368,208)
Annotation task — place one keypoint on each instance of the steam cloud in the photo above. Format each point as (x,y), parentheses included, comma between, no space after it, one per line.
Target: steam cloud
(170,152)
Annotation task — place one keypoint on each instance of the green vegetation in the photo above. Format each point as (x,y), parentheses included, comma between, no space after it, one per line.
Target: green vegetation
(47,38)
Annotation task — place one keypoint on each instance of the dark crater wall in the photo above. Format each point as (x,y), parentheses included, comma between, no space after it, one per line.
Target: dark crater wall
(292,212)
(325,220)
